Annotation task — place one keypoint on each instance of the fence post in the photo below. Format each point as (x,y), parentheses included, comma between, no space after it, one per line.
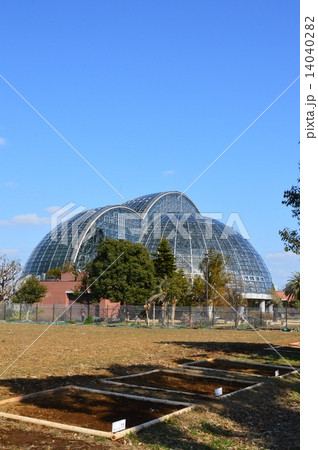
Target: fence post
(53,313)
(20,311)
(36,312)
(71,313)
(4,310)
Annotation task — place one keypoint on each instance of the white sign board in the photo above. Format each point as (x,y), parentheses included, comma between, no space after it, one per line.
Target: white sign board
(276,373)
(119,425)
(218,392)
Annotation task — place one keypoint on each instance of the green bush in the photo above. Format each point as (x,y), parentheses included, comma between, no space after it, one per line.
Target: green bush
(89,320)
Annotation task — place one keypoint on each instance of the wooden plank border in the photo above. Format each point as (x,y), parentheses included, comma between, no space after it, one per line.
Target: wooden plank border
(191,365)
(93,432)
(250,384)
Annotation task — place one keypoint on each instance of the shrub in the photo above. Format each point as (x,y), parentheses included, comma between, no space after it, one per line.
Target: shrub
(89,320)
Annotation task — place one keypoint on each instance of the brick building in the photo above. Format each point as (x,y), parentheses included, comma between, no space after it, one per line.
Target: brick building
(60,292)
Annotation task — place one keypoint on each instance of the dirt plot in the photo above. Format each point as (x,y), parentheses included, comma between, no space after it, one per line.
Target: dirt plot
(283,349)
(88,409)
(241,366)
(192,384)
(264,417)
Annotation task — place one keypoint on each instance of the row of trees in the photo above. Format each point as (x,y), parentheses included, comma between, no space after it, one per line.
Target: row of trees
(125,272)
(30,290)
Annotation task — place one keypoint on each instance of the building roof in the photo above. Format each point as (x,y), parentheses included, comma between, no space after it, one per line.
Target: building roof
(283,296)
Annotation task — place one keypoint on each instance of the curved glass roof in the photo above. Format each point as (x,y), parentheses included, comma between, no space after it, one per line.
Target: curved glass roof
(191,236)
(162,202)
(68,241)
(56,247)
(147,220)
(140,204)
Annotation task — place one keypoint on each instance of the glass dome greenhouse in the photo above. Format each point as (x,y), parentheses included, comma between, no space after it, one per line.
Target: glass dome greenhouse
(147,220)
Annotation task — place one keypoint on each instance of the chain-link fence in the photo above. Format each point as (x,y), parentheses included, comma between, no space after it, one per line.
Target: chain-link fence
(155,316)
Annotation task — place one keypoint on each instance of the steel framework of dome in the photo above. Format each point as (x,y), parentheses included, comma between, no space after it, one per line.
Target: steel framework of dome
(147,220)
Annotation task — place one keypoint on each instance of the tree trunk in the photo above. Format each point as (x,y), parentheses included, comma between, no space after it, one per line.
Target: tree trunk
(213,314)
(147,314)
(164,313)
(153,314)
(275,313)
(173,311)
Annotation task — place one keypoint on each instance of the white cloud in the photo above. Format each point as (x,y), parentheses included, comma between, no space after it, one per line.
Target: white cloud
(3,142)
(25,219)
(282,257)
(8,251)
(10,184)
(281,266)
(169,172)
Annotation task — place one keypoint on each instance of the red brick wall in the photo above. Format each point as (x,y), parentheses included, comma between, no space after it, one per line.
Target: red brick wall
(57,295)
(67,276)
(56,292)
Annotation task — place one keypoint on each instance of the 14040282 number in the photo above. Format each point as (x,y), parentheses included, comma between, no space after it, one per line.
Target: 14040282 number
(309,46)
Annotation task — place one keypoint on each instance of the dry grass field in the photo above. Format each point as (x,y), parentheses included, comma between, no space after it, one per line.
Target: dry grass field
(264,417)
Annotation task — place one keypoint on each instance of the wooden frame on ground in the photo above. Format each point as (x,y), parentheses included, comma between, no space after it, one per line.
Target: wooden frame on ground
(192,365)
(248,384)
(113,436)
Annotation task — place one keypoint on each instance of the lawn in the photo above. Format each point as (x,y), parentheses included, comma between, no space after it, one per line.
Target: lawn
(264,417)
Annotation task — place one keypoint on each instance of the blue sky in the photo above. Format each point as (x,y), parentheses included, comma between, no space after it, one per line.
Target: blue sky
(150,93)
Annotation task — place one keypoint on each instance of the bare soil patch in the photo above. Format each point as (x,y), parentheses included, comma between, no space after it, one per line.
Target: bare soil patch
(87,409)
(264,417)
(241,366)
(192,384)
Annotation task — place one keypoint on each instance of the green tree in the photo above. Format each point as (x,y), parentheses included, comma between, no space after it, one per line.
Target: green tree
(292,289)
(236,300)
(176,289)
(53,274)
(215,277)
(291,238)
(159,297)
(172,289)
(10,271)
(31,291)
(197,291)
(164,260)
(82,293)
(121,272)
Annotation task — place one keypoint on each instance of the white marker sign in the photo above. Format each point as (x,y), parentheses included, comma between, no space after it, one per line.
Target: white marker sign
(276,373)
(119,425)
(218,392)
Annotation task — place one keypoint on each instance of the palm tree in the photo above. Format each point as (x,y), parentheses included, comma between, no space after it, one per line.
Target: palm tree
(292,289)
(160,298)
